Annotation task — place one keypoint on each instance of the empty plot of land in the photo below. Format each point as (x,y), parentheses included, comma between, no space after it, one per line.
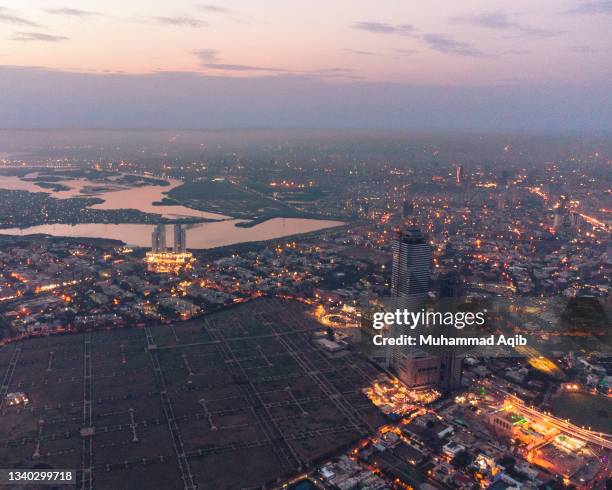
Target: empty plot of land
(185,406)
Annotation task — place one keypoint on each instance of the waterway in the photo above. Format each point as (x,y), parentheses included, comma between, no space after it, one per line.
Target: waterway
(200,235)
(116,196)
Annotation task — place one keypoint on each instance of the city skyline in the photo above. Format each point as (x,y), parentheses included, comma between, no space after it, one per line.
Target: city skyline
(243,348)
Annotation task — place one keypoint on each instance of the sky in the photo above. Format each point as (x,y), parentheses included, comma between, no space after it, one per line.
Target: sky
(470,64)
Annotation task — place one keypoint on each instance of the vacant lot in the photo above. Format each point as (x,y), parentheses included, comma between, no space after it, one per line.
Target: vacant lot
(185,407)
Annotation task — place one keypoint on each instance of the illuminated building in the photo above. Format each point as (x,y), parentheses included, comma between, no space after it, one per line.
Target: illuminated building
(410,277)
(392,397)
(562,460)
(168,261)
(159,259)
(459,174)
(512,424)
(17,398)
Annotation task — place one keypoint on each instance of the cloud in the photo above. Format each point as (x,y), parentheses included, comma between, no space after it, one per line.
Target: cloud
(331,71)
(358,51)
(38,36)
(71,12)
(210,59)
(214,9)
(383,28)
(181,21)
(501,21)
(595,7)
(207,55)
(237,67)
(444,44)
(8,17)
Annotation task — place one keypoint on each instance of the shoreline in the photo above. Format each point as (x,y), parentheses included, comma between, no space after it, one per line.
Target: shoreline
(122,243)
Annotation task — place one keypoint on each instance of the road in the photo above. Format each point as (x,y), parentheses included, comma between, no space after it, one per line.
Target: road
(597,438)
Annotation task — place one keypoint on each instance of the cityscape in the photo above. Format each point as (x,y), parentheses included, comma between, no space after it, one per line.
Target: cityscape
(274,245)
(122,359)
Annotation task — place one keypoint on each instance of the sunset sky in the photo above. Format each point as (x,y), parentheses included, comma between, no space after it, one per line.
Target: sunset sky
(560,47)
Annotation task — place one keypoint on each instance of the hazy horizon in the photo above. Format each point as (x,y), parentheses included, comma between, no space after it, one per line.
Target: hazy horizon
(439,66)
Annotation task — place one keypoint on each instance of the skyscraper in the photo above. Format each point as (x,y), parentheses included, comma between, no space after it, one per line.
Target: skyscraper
(180,239)
(410,280)
(158,239)
(411,268)
(459,174)
(410,275)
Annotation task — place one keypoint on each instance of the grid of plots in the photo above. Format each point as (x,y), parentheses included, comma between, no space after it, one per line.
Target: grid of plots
(185,405)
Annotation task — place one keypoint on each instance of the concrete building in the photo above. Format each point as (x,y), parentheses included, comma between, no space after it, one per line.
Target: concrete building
(410,280)
(459,174)
(411,267)
(180,239)
(410,276)
(158,239)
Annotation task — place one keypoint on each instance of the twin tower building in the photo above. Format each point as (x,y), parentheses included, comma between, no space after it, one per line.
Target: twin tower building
(158,239)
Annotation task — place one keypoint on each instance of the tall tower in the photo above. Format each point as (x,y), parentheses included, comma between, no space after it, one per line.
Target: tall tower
(410,275)
(411,269)
(158,239)
(180,239)
(410,280)
(459,174)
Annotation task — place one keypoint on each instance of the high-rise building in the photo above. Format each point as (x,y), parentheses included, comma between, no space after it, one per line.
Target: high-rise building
(162,260)
(410,275)
(410,280)
(459,174)
(411,268)
(180,239)
(158,239)
(450,294)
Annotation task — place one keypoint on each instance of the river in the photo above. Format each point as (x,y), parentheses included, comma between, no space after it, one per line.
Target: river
(200,235)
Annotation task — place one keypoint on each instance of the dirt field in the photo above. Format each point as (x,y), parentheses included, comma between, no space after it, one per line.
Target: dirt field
(238,399)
